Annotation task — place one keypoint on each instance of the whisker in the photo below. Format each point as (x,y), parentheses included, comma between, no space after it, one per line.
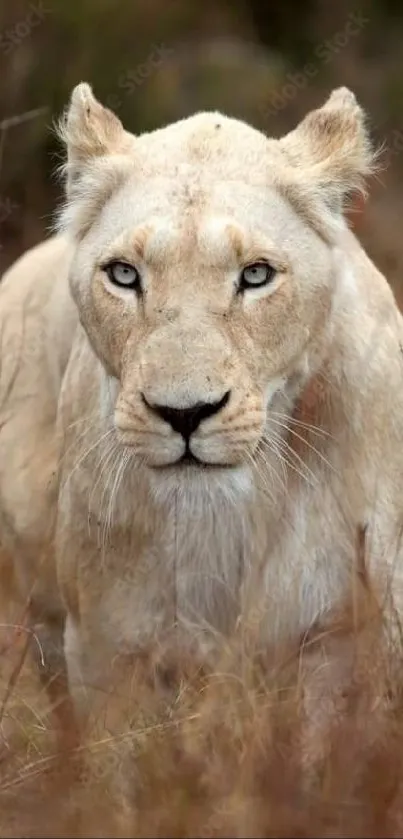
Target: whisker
(77,440)
(113,463)
(91,421)
(286,452)
(105,458)
(298,465)
(114,492)
(86,453)
(290,420)
(303,440)
(90,418)
(264,479)
(287,516)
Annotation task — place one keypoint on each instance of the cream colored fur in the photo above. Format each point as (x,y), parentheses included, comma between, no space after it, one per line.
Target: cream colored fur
(309,446)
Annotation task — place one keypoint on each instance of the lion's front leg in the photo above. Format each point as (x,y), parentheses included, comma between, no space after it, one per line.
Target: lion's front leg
(119,607)
(47,633)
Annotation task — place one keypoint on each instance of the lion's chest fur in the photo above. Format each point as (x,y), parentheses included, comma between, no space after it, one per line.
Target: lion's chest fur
(200,563)
(143,568)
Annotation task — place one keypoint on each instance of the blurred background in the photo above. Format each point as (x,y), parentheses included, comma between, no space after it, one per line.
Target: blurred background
(154,61)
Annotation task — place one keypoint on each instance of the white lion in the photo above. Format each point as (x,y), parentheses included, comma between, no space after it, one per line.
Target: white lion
(201,388)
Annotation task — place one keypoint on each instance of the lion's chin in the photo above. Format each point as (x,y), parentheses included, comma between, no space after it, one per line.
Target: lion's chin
(198,480)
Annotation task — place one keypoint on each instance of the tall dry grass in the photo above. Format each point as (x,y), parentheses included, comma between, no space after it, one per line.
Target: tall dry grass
(309,743)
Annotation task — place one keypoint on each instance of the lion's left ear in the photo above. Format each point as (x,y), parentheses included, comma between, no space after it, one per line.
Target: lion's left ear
(331,148)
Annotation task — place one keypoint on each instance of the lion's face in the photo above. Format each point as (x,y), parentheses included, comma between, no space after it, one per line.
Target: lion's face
(203,276)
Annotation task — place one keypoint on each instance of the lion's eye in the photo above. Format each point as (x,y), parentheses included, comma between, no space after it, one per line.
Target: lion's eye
(256,275)
(124,275)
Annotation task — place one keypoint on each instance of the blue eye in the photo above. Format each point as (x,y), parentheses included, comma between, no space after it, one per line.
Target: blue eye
(256,275)
(124,275)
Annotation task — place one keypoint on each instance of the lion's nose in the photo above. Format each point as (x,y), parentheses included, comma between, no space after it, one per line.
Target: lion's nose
(186,420)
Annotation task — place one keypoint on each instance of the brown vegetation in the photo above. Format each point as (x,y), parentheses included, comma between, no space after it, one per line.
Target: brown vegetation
(252,746)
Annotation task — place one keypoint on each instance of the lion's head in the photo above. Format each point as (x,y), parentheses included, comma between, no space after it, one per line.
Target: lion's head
(205,269)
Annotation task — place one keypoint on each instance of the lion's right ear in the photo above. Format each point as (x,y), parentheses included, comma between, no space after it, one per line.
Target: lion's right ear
(98,150)
(89,130)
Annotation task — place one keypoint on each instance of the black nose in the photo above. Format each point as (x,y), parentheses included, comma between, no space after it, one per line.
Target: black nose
(186,420)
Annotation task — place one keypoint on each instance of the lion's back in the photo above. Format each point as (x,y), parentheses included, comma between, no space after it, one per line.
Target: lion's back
(37,326)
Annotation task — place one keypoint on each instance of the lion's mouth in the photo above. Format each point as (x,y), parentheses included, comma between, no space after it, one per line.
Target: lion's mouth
(188,459)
